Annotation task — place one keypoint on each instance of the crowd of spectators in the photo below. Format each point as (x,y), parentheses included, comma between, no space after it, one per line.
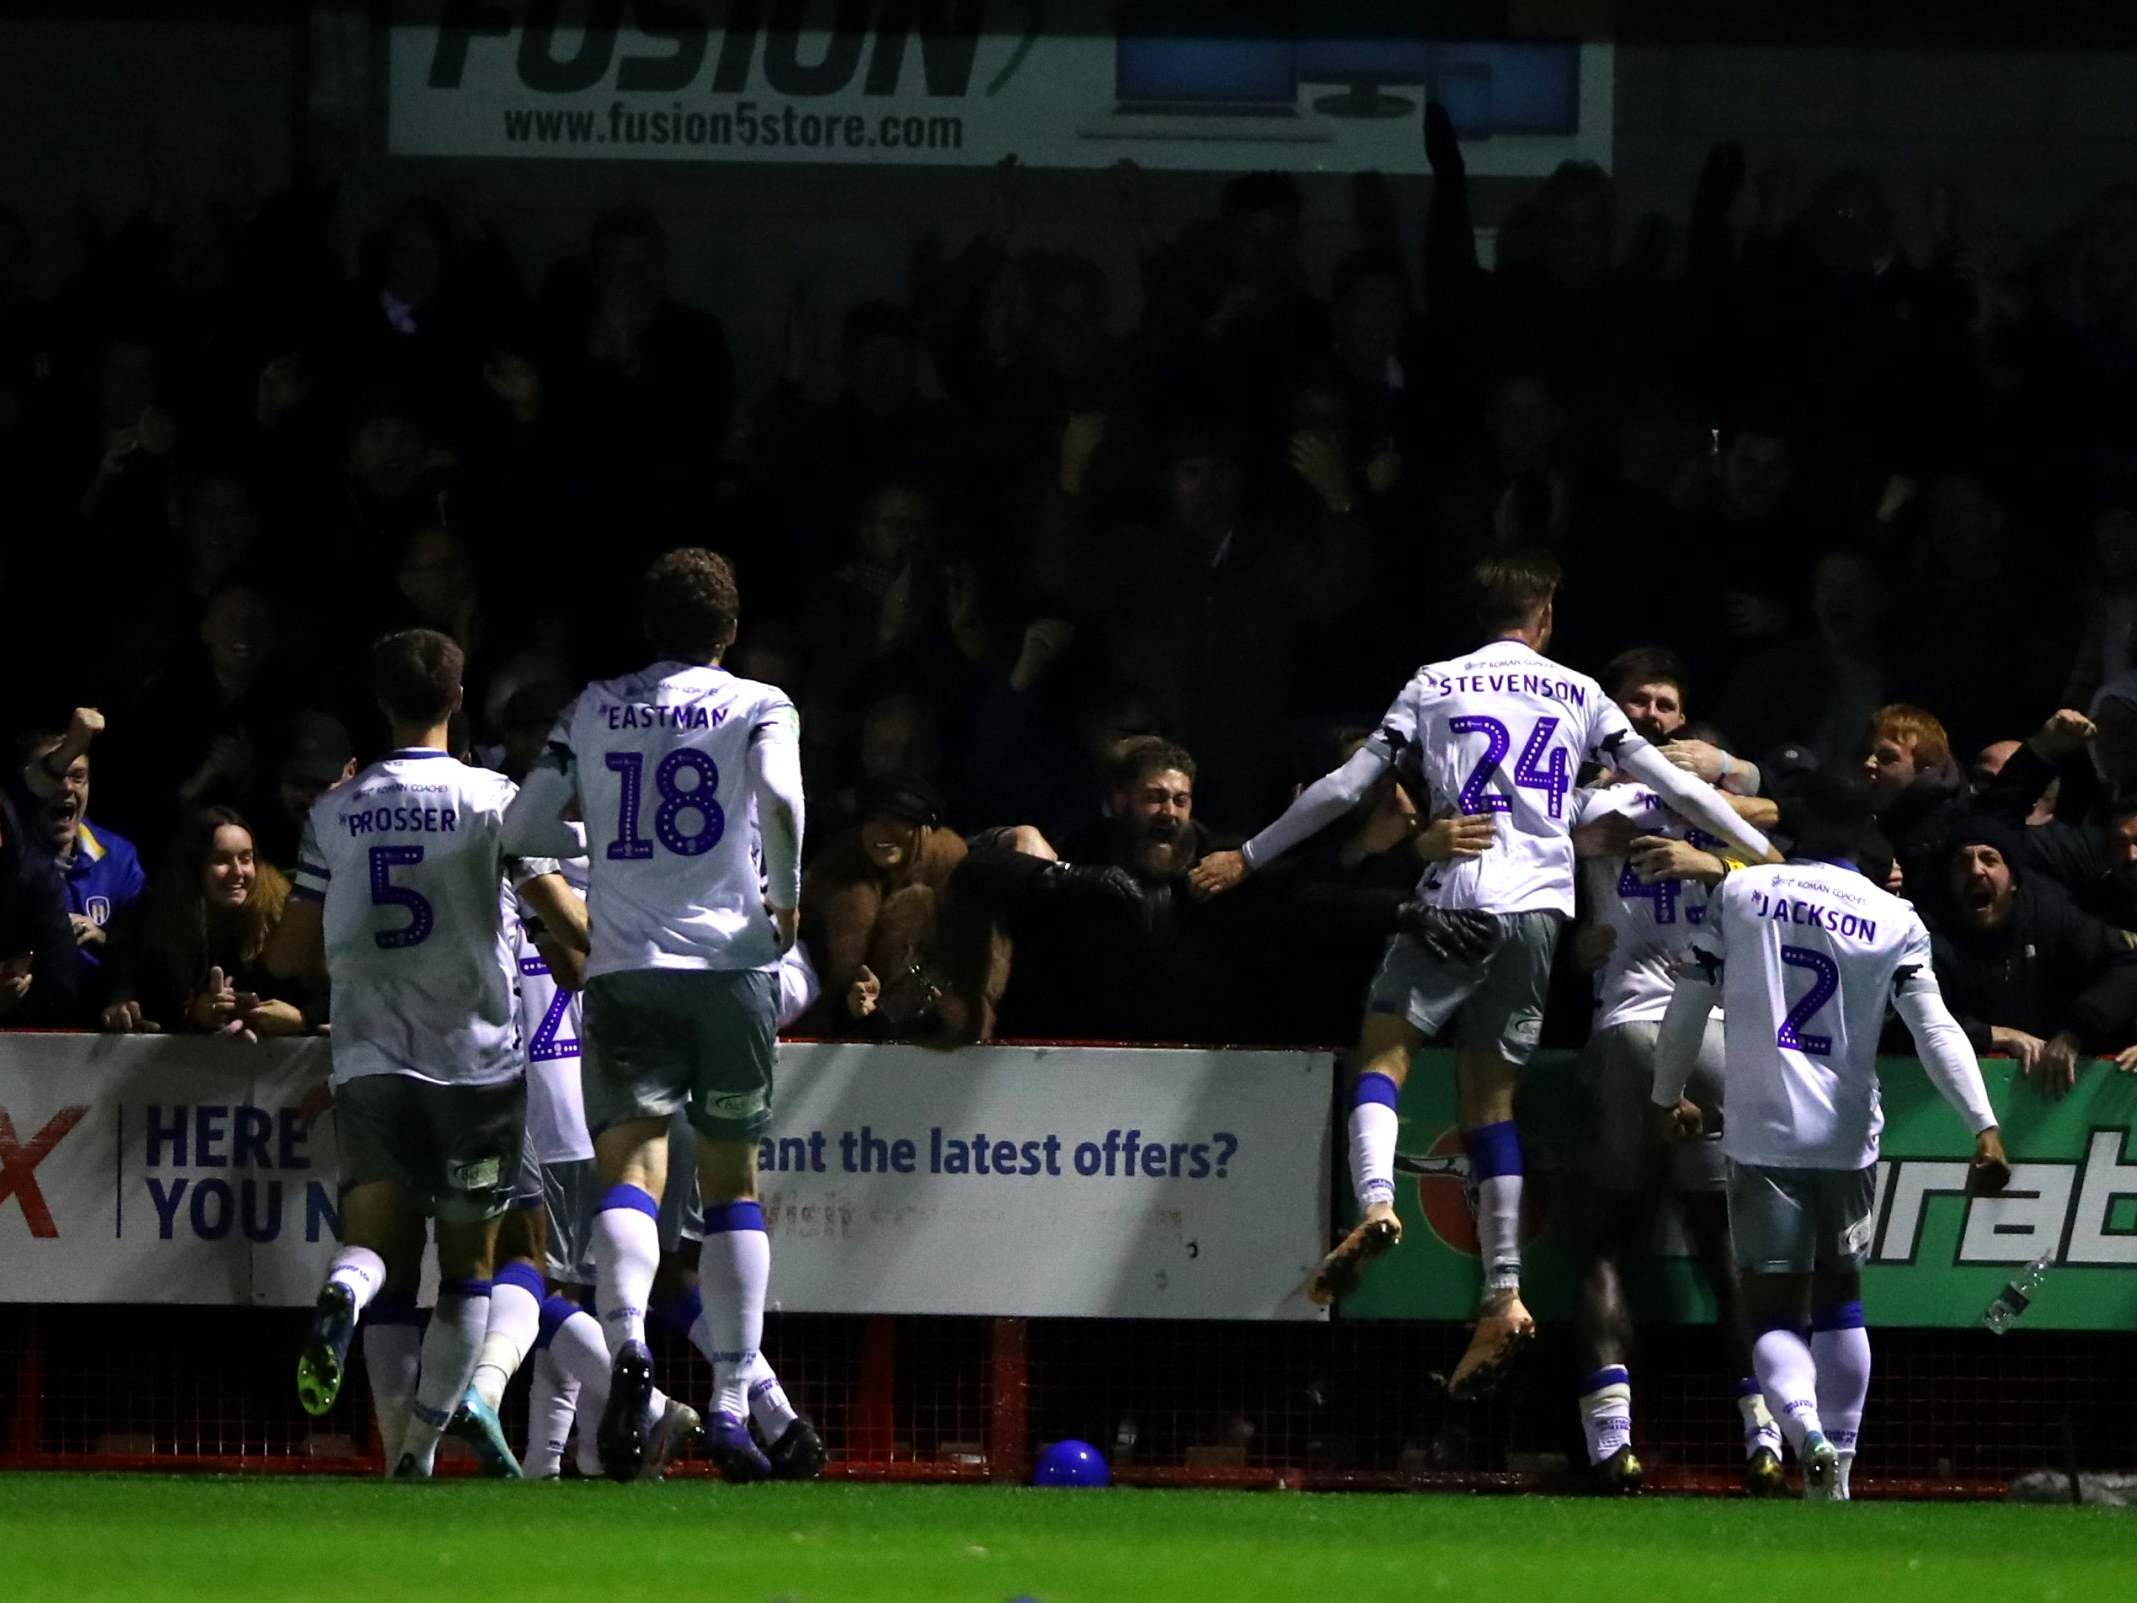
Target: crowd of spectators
(1074,586)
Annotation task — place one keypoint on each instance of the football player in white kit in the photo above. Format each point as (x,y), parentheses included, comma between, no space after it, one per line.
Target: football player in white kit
(1644,906)
(398,895)
(1498,733)
(1805,958)
(571,1360)
(682,772)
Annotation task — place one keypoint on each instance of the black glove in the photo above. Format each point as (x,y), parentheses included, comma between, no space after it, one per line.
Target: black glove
(1090,882)
(1457,935)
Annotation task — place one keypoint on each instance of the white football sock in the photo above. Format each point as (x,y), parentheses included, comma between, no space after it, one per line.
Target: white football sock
(626,1254)
(552,1404)
(1759,1427)
(393,1356)
(734,1268)
(1606,1411)
(1789,1376)
(515,1319)
(1499,1231)
(1842,1353)
(457,1326)
(1495,1173)
(768,1404)
(1373,1127)
(358,1270)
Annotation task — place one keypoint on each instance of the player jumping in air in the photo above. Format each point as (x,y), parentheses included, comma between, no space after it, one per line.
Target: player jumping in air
(1804,958)
(678,770)
(1500,734)
(400,897)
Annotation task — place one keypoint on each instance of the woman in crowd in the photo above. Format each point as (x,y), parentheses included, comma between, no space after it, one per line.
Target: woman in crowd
(190,960)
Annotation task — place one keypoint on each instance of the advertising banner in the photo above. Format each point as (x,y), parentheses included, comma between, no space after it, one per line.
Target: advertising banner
(1000,1180)
(1228,86)
(1936,1258)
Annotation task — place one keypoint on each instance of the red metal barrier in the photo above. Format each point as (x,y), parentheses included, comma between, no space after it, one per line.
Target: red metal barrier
(1319,1407)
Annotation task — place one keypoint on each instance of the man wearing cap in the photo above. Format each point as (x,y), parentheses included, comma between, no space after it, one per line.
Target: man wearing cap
(312,754)
(2025,972)
(905,950)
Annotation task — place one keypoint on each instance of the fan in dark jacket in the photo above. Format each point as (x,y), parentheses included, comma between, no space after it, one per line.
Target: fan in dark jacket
(41,980)
(2024,971)
(2090,846)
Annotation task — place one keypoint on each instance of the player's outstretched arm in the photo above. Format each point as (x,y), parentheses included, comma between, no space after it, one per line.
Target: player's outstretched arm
(1677,1044)
(1320,804)
(1947,1055)
(1690,799)
(534,821)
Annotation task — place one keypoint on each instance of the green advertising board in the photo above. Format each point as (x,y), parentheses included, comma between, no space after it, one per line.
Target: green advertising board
(1937,1257)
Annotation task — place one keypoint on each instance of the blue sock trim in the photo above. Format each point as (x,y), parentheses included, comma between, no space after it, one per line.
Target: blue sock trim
(555,1312)
(525,1276)
(1802,1332)
(1748,1387)
(392,1311)
(679,1312)
(1373,1086)
(463,1288)
(1608,1375)
(1494,1150)
(733,1216)
(630,1197)
(1840,1316)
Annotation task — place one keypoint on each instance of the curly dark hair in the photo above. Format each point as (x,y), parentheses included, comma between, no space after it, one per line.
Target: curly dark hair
(690,604)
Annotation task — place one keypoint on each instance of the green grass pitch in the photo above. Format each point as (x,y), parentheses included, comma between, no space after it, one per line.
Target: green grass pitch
(84,1537)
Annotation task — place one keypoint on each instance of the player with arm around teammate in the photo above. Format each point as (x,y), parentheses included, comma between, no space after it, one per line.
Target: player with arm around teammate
(398,899)
(1805,957)
(680,771)
(1501,731)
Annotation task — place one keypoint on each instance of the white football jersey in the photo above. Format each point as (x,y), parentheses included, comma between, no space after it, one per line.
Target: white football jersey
(1504,731)
(549,1019)
(660,759)
(1654,923)
(419,941)
(1809,956)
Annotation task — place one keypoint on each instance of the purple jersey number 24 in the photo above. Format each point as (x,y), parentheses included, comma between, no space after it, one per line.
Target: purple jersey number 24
(1531,770)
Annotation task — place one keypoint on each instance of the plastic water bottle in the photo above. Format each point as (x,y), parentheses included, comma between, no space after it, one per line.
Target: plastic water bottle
(2017,1293)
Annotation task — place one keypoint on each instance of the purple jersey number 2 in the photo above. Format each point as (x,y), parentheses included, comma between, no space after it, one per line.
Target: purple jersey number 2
(1531,770)
(1825,981)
